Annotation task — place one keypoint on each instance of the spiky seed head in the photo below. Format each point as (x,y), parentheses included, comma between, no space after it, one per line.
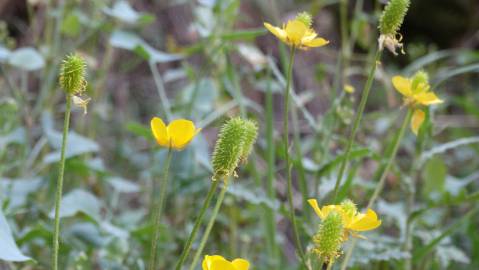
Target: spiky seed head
(349,207)
(72,74)
(420,78)
(228,148)
(393,16)
(328,239)
(250,135)
(305,18)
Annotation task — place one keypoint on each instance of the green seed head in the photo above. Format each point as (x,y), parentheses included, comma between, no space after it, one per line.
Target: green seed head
(72,74)
(349,207)
(393,16)
(419,79)
(305,18)
(228,148)
(250,135)
(328,239)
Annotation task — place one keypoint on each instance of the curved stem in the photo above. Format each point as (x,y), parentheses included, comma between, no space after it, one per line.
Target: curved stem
(357,121)
(58,194)
(206,234)
(286,153)
(198,221)
(158,211)
(382,179)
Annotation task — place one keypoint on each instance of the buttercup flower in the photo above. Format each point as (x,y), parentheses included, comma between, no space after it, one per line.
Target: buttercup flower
(216,262)
(353,221)
(298,33)
(416,92)
(176,135)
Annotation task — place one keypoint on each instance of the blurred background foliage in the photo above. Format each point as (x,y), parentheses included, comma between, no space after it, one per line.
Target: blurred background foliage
(208,60)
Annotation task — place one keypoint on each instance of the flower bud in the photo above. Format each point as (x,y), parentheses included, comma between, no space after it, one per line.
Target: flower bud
(72,74)
(328,239)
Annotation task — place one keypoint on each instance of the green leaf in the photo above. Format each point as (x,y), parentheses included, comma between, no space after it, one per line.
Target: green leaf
(79,201)
(447,146)
(76,145)
(434,175)
(123,185)
(71,25)
(132,42)
(14,192)
(26,58)
(9,250)
(122,11)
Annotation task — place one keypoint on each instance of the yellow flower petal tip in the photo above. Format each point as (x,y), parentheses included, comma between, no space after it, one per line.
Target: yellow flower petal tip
(177,135)
(217,262)
(298,33)
(415,90)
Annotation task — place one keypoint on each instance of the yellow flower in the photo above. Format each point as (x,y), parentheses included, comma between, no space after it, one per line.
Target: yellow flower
(216,262)
(353,221)
(176,135)
(416,91)
(297,33)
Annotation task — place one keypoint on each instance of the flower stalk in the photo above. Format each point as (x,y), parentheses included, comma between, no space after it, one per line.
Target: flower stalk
(211,222)
(382,179)
(196,227)
(357,121)
(58,194)
(158,209)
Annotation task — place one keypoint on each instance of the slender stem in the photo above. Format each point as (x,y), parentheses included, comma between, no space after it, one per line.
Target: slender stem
(382,179)
(206,234)
(58,194)
(286,153)
(270,158)
(330,265)
(357,120)
(158,211)
(196,227)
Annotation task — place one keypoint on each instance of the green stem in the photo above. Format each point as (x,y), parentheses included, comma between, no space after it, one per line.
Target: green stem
(382,179)
(196,227)
(270,158)
(286,153)
(158,211)
(357,120)
(330,265)
(58,194)
(206,234)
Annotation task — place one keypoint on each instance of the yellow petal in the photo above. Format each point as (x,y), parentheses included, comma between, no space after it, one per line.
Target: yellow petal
(427,98)
(368,221)
(315,206)
(295,31)
(158,128)
(181,132)
(208,261)
(278,32)
(222,265)
(317,42)
(417,120)
(240,264)
(402,85)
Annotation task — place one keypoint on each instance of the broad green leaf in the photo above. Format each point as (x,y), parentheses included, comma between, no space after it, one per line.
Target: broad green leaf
(27,59)
(434,176)
(16,191)
(123,185)
(9,250)
(132,42)
(79,201)
(76,145)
